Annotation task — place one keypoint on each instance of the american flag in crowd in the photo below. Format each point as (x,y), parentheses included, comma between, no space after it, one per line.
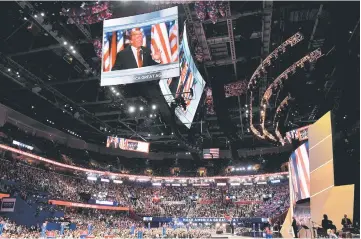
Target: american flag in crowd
(210,153)
(300,172)
(106,53)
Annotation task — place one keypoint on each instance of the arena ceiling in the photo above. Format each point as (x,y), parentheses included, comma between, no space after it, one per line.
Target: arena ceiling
(63,90)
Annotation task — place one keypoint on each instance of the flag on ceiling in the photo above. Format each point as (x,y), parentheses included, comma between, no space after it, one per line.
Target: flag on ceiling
(211,153)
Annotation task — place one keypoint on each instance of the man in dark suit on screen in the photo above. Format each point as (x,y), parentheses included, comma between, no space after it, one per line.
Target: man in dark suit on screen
(135,55)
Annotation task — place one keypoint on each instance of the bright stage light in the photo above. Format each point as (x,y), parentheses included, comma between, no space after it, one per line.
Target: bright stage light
(154,107)
(141,108)
(131,109)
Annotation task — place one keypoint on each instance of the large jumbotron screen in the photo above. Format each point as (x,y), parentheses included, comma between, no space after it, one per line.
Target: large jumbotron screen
(300,173)
(189,85)
(140,48)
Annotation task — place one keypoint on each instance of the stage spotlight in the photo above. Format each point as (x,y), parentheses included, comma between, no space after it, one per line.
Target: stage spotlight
(36,16)
(162,134)
(131,109)
(74,51)
(65,43)
(148,135)
(9,69)
(141,108)
(71,47)
(154,107)
(150,115)
(117,93)
(25,19)
(42,14)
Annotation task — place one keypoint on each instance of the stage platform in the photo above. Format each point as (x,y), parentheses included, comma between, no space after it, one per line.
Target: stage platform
(243,235)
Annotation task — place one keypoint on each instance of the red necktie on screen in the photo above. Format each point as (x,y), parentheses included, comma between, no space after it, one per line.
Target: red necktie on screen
(140,60)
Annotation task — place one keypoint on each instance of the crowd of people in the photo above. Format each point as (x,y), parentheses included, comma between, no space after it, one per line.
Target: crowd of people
(144,199)
(36,183)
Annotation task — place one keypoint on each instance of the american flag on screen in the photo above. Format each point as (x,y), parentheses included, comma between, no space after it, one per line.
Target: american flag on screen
(106,53)
(210,153)
(120,41)
(160,42)
(173,39)
(300,172)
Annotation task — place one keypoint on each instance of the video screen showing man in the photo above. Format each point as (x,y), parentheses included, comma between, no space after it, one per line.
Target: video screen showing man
(112,142)
(140,48)
(135,55)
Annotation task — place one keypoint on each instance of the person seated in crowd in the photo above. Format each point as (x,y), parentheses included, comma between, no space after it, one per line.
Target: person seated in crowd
(331,233)
(327,224)
(268,232)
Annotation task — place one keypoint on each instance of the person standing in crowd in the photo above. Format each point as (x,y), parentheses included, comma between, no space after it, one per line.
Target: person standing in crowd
(346,222)
(164,230)
(132,229)
(294,227)
(232,228)
(90,228)
(62,226)
(2,224)
(43,229)
(268,232)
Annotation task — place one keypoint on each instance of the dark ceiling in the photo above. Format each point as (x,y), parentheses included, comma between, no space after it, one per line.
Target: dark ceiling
(68,93)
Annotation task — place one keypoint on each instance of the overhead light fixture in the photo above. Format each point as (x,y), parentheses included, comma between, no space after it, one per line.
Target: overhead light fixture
(74,51)
(141,108)
(117,93)
(71,47)
(172,132)
(18,76)
(65,43)
(9,69)
(131,109)
(154,107)
(42,14)
(35,16)
(25,19)
(161,133)
(17,72)
(150,115)
(148,135)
